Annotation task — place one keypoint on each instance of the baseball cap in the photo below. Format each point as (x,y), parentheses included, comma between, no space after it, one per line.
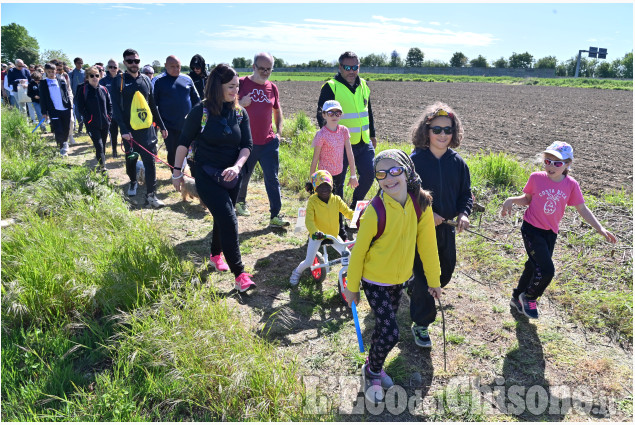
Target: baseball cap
(331,104)
(560,150)
(147,68)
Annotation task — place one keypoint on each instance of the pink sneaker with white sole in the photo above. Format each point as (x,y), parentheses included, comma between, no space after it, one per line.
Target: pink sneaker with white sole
(244,282)
(219,263)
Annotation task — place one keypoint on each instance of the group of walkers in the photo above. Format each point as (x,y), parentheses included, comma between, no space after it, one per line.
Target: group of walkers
(221,125)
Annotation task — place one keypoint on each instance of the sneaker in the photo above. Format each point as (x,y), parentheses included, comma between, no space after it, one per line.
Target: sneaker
(153,201)
(529,306)
(386,381)
(372,385)
(72,140)
(422,338)
(278,222)
(515,303)
(132,189)
(114,153)
(244,282)
(241,209)
(64,150)
(218,263)
(295,278)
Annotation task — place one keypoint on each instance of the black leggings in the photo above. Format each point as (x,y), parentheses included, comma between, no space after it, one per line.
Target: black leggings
(99,137)
(148,163)
(384,301)
(114,129)
(61,125)
(539,268)
(171,143)
(423,309)
(221,202)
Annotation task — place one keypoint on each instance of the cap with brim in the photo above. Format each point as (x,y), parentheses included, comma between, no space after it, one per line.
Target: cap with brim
(560,150)
(331,104)
(321,176)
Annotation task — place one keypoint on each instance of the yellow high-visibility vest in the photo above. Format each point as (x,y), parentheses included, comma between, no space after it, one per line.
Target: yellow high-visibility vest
(355,109)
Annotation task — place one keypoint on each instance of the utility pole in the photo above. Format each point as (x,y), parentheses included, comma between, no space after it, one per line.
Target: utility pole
(594,52)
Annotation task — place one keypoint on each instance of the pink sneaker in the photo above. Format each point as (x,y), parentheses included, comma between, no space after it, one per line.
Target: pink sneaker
(219,263)
(244,282)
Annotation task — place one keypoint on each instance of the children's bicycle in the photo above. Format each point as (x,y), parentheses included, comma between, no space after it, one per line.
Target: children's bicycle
(322,265)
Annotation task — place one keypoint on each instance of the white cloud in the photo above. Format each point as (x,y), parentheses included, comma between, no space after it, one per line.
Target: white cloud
(435,23)
(127,7)
(402,20)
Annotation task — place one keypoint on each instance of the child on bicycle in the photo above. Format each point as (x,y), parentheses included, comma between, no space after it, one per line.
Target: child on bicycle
(547,193)
(382,265)
(322,217)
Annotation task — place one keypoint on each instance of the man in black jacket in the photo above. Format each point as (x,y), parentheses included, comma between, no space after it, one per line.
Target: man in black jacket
(142,141)
(56,104)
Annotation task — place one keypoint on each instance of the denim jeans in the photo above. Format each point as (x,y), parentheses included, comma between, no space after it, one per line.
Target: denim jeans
(363,154)
(267,156)
(38,111)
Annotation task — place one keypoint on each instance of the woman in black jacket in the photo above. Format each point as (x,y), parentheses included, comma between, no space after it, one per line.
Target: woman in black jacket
(93,102)
(198,74)
(218,132)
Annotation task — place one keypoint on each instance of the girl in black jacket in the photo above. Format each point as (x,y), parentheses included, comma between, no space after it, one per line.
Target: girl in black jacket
(33,91)
(93,102)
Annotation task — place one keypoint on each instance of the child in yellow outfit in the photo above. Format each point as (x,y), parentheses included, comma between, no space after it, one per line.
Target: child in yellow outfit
(322,217)
(384,264)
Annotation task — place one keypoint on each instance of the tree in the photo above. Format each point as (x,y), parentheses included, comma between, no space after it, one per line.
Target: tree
(500,63)
(320,63)
(156,65)
(48,55)
(241,63)
(479,62)
(28,54)
(14,37)
(548,62)
(458,60)
(605,70)
(436,63)
(395,59)
(279,63)
(414,58)
(627,63)
(374,60)
(521,60)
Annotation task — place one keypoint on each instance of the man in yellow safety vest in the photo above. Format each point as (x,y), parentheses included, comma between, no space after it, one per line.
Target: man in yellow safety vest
(353,94)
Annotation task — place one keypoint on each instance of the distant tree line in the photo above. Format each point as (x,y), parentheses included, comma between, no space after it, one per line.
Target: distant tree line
(17,43)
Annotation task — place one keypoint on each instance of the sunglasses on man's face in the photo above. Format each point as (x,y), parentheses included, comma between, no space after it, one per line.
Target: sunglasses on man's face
(94,75)
(394,171)
(131,61)
(437,129)
(334,113)
(350,68)
(556,164)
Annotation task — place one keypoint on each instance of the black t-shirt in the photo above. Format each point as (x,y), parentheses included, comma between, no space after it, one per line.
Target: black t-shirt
(216,146)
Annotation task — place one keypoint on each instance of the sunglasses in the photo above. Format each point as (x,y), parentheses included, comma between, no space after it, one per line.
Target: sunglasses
(437,129)
(334,113)
(261,69)
(131,61)
(556,164)
(227,130)
(350,68)
(149,73)
(394,171)
(112,67)
(94,76)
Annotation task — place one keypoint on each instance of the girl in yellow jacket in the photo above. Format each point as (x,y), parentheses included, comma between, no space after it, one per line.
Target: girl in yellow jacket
(322,217)
(382,266)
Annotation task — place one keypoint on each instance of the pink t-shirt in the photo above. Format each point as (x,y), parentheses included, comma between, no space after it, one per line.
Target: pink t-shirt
(332,143)
(264,99)
(549,199)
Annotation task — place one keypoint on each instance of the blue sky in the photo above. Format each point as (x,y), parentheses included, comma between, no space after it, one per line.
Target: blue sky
(299,32)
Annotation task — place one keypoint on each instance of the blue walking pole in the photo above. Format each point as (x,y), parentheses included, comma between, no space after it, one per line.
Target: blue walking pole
(360,341)
(39,124)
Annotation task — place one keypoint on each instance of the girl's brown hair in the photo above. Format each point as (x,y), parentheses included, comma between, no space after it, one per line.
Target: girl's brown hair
(92,70)
(36,76)
(214,98)
(420,134)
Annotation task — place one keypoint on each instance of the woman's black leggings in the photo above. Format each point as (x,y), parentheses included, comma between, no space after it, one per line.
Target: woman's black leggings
(99,138)
(221,202)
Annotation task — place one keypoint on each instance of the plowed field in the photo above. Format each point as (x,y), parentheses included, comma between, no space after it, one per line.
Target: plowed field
(519,120)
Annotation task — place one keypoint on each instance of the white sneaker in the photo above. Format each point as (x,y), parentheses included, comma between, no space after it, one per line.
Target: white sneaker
(64,150)
(153,201)
(132,189)
(295,278)
(72,140)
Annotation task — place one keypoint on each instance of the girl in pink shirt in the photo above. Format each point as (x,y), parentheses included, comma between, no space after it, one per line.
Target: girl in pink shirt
(329,145)
(547,193)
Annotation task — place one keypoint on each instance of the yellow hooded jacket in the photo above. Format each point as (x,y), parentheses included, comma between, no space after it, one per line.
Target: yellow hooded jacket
(391,257)
(324,217)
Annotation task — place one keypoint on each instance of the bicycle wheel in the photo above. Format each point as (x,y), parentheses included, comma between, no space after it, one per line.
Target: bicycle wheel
(318,274)
(339,288)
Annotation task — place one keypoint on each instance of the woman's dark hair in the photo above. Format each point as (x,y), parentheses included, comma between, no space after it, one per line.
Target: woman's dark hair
(420,130)
(198,60)
(214,98)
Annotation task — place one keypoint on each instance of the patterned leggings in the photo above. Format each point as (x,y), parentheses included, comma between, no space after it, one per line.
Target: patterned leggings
(384,301)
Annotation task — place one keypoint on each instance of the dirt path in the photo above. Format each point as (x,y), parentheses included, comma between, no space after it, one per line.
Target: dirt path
(487,344)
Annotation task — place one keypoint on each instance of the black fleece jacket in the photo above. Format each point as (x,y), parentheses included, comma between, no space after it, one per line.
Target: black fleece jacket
(95,106)
(448,179)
